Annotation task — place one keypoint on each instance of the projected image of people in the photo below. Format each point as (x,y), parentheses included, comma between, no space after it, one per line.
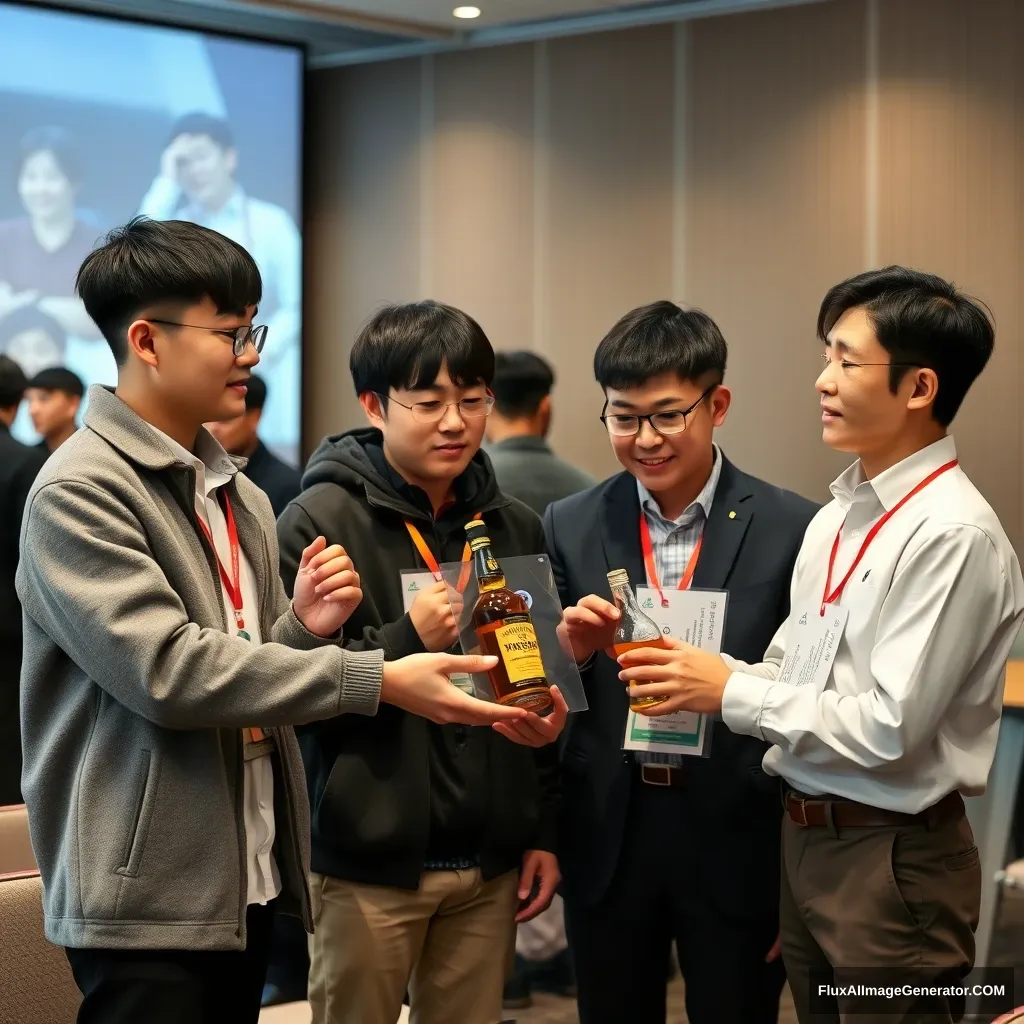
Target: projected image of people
(106,119)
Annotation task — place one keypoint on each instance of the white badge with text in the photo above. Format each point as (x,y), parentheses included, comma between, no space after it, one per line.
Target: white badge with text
(812,640)
(414,583)
(696,617)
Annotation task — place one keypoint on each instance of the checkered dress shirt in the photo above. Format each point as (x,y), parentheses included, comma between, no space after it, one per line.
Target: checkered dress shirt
(673,542)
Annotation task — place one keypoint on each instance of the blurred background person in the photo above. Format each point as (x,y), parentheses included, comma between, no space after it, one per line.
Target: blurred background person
(517,429)
(19,464)
(277,479)
(197,182)
(40,253)
(54,398)
(33,339)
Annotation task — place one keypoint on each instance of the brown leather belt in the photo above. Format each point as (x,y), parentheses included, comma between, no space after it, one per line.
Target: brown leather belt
(819,812)
(662,775)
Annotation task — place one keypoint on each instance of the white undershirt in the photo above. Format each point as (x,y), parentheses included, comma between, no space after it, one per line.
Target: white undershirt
(213,470)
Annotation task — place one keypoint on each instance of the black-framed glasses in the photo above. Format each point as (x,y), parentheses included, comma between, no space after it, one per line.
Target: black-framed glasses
(849,364)
(240,336)
(668,421)
(435,411)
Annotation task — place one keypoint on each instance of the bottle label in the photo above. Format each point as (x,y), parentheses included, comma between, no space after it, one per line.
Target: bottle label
(519,649)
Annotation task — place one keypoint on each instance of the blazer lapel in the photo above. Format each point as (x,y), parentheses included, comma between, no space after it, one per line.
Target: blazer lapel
(620,530)
(726,527)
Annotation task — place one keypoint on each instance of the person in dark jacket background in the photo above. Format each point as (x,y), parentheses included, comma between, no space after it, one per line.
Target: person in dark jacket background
(517,431)
(279,481)
(429,842)
(19,464)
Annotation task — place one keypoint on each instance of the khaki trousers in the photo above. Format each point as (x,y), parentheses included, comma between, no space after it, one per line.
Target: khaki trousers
(885,903)
(450,944)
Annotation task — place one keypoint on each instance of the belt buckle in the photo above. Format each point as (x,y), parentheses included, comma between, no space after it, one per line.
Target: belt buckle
(802,802)
(650,774)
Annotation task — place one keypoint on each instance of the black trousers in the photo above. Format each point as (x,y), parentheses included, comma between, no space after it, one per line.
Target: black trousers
(621,946)
(170,986)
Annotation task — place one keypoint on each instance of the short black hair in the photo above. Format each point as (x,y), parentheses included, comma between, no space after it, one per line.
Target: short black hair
(521,381)
(58,378)
(151,262)
(51,139)
(405,346)
(256,393)
(661,337)
(12,383)
(31,318)
(920,320)
(204,124)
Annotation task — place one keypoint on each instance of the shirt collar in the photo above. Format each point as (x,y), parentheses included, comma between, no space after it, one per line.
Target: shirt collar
(233,208)
(893,484)
(701,503)
(212,464)
(522,443)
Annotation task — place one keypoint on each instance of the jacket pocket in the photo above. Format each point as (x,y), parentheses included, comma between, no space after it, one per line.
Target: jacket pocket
(145,798)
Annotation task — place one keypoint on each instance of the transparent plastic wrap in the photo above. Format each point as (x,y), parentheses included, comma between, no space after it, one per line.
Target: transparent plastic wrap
(528,576)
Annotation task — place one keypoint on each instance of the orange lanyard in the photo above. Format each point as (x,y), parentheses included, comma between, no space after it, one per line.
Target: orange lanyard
(652,569)
(431,562)
(836,594)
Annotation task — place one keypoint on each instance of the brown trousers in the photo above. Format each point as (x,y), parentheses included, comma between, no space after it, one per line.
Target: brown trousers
(882,906)
(450,944)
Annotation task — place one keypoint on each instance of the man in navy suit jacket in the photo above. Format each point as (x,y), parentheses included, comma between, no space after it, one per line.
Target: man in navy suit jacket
(685,849)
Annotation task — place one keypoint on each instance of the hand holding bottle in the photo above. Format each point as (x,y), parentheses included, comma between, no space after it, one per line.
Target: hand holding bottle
(590,627)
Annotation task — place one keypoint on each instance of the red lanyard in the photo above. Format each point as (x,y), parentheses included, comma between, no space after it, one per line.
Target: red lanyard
(431,562)
(232,583)
(652,569)
(836,594)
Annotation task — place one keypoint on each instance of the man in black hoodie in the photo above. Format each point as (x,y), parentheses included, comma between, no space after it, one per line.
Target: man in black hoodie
(429,842)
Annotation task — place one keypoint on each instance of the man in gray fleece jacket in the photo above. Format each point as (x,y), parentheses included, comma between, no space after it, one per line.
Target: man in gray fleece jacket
(163,664)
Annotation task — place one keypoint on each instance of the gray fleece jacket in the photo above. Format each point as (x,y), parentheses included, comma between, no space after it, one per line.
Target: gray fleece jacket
(133,696)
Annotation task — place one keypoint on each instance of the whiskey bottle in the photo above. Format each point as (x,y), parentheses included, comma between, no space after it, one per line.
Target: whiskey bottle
(501,619)
(635,629)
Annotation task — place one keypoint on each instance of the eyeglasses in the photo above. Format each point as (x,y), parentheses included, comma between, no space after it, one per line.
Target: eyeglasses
(434,412)
(848,364)
(669,421)
(240,336)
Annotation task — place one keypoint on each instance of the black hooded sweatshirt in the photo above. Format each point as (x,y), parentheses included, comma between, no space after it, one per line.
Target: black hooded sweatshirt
(392,793)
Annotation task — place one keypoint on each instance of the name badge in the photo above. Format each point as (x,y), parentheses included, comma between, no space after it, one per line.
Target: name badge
(413,584)
(696,617)
(812,640)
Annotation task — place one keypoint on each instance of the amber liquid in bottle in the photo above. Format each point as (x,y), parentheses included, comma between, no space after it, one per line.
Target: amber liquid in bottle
(635,629)
(504,628)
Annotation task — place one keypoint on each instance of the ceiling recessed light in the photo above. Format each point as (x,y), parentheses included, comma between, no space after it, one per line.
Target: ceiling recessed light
(466,12)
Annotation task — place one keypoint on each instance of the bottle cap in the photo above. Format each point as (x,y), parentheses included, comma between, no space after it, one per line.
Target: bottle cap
(618,578)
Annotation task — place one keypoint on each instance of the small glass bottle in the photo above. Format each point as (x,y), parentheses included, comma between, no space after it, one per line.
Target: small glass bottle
(635,629)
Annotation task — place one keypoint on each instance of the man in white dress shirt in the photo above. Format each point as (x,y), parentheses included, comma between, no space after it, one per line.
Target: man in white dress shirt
(882,692)
(197,182)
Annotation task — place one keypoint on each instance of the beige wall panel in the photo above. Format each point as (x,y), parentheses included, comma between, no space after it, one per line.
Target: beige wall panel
(362,220)
(775,209)
(481,188)
(950,180)
(606,223)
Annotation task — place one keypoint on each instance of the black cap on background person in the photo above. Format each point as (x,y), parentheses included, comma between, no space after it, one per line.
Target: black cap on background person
(54,398)
(280,481)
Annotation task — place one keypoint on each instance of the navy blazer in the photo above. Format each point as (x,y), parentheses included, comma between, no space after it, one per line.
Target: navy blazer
(750,545)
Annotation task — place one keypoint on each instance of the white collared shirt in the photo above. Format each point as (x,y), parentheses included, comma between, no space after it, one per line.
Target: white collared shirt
(214,469)
(911,709)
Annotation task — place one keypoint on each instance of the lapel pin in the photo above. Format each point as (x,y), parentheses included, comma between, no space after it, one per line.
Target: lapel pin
(732,515)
